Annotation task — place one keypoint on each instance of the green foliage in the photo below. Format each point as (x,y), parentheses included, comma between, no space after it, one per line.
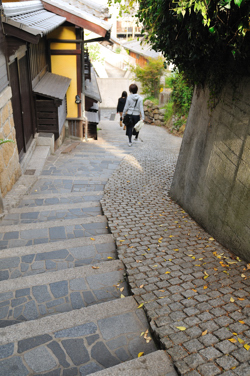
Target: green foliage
(181,97)
(208,40)
(149,76)
(118,50)
(95,52)
(152,99)
(6,140)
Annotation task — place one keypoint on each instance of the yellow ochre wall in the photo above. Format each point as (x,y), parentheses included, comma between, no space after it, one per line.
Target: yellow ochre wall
(65,65)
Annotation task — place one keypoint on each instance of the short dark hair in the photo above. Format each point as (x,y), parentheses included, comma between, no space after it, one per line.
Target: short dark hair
(133,88)
(124,94)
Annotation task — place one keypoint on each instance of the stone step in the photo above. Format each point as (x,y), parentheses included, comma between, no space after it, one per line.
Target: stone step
(24,261)
(68,184)
(51,213)
(29,234)
(79,342)
(32,297)
(57,199)
(157,363)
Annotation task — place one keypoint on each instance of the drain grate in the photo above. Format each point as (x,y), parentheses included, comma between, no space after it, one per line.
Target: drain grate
(30,172)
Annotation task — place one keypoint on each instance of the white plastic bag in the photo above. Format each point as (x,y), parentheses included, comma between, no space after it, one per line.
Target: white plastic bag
(138,125)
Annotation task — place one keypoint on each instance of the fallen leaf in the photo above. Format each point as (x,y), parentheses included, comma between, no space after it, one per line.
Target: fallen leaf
(204,287)
(194,290)
(141,286)
(240,340)
(110,258)
(123,240)
(231,300)
(241,298)
(248,266)
(142,333)
(206,276)
(162,290)
(140,354)
(92,238)
(181,327)
(242,322)
(204,333)
(247,347)
(243,276)
(141,305)
(233,340)
(128,181)
(95,267)
(122,289)
(176,250)
(167,272)
(211,239)
(155,266)
(122,296)
(170,236)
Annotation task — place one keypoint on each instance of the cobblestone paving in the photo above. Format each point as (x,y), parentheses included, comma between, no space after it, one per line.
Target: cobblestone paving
(79,350)
(194,291)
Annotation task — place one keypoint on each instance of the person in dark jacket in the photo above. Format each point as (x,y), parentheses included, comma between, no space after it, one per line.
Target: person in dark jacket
(121,104)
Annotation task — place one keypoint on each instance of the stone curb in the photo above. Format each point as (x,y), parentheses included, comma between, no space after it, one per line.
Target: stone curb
(91,204)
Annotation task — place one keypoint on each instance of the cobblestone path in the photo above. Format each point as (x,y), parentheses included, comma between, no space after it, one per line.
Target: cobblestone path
(195,292)
(65,308)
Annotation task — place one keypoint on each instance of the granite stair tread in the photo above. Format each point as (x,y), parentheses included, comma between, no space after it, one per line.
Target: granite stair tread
(29,298)
(156,363)
(79,342)
(30,234)
(24,261)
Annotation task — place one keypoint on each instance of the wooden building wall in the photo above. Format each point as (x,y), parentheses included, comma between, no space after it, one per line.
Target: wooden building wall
(3,69)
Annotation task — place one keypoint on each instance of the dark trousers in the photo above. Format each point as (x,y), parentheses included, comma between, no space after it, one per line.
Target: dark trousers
(129,129)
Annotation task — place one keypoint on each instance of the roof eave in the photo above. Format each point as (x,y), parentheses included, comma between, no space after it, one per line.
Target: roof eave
(77,20)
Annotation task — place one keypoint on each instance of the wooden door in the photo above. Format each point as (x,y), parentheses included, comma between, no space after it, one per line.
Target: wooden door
(26,100)
(16,104)
(21,103)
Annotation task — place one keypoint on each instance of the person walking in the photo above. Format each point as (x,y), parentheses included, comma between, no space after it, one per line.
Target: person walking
(134,107)
(121,104)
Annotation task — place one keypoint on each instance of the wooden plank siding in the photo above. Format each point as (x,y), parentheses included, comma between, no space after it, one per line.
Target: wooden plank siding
(3,69)
(37,56)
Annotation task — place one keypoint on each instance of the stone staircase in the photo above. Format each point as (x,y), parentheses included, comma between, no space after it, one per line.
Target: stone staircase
(65,308)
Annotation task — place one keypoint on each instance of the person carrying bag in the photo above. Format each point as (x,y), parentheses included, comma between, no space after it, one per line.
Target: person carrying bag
(132,112)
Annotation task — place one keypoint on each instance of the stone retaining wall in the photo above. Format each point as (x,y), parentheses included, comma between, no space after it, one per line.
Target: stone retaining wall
(10,169)
(212,176)
(153,113)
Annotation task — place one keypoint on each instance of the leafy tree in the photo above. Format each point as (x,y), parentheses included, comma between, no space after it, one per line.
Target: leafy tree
(149,76)
(207,40)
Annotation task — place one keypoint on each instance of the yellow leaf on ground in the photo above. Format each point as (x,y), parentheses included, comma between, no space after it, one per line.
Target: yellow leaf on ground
(248,266)
(122,296)
(92,238)
(211,239)
(141,286)
(204,287)
(181,327)
(141,305)
(128,181)
(167,272)
(204,333)
(110,258)
(169,259)
(170,236)
(241,298)
(95,267)
(122,289)
(243,276)
(142,333)
(206,276)
(194,290)
(155,266)
(140,354)
(231,300)
(240,340)
(233,340)
(247,347)
(242,322)
(177,249)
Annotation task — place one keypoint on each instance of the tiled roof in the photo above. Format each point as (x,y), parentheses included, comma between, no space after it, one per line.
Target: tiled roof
(30,16)
(52,86)
(141,49)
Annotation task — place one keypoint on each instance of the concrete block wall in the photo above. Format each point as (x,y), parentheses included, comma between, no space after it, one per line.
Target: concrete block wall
(10,169)
(212,176)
